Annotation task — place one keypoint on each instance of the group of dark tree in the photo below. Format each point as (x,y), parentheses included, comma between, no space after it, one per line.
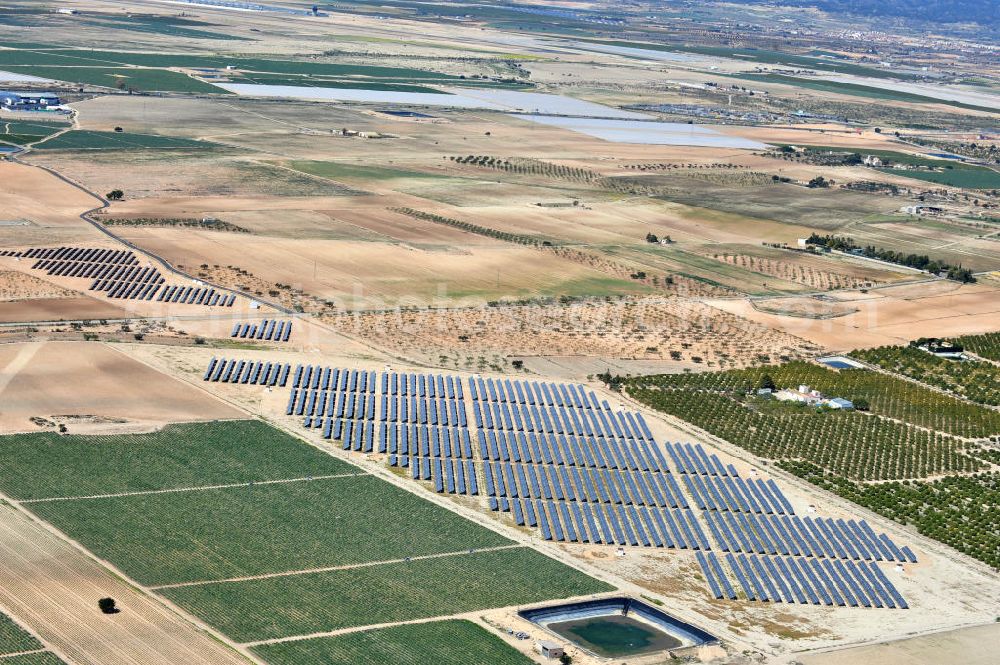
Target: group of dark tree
(918,261)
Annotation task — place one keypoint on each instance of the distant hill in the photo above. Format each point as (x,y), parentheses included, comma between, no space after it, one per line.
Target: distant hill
(938,11)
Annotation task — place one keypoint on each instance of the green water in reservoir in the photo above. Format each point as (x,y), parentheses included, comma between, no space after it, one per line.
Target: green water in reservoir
(614,635)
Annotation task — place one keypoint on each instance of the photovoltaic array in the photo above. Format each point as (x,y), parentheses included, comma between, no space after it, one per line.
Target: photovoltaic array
(119,274)
(557,458)
(267,330)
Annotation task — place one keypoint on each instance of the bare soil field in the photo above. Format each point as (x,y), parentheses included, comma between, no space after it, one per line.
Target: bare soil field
(977,645)
(378,274)
(32,194)
(17,286)
(53,588)
(63,308)
(891,315)
(43,380)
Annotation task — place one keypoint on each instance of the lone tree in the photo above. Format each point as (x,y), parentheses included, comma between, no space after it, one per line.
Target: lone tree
(115,195)
(107,606)
(766,383)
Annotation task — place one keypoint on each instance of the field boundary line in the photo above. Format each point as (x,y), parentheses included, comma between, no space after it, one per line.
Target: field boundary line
(347,566)
(470,616)
(15,654)
(195,488)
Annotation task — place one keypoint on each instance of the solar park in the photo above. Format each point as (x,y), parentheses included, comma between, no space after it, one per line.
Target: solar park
(118,274)
(557,459)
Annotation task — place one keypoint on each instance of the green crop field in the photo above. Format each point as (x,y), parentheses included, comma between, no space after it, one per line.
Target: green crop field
(39,658)
(14,639)
(984,346)
(452,642)
(956,175)
(122,77)
(82,57)
(319,602)
(959,511)
(976,381)
(81,139)
(338,170)
(252,530)
(35,466)
(886,395)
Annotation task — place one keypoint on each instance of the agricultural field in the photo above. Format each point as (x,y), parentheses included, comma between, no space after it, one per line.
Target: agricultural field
(90,140)
(973,380)
(886,396)
(177,456)
(985,346)
(850,444)
(22,132)
(452,642)
(275,607)
(227,516)
(37,658)
(956,510)
(14,639)
(19,647)
(855,90)
(122,78)
(179,537)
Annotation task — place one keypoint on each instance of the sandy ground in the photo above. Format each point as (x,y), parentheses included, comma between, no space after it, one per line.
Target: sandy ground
(58,309)
(53,588)
(32,194)
(978,645)
(890,315)
(90,379)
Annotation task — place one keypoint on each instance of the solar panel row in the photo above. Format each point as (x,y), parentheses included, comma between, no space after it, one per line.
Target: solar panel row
(425,441)
(195,296)
(533,393)
(11,252)
(610,524)
(582,484)
(800,536)
(249,372)
(556,419)
(693,459)
(597,452)
(421,385)
(331,403)
(317,377)
(423,410)
(268,330)
(734,494)
(802,580)
(448,475)
(83,269)
(80,254)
